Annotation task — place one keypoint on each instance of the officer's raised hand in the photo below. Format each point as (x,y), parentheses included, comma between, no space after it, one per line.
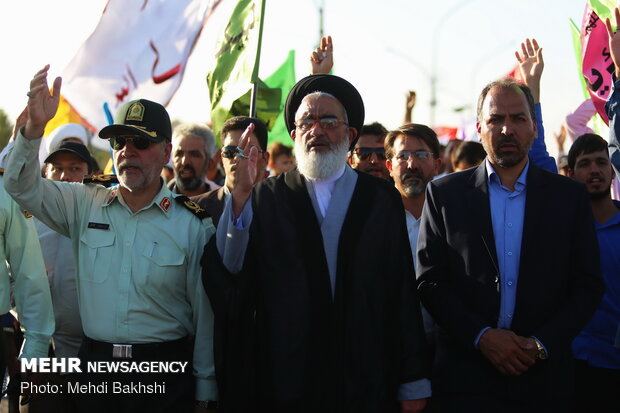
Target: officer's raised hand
(42,105)
(244,171)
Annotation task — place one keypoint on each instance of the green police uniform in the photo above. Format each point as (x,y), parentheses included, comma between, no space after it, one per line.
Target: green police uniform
(20,248)
(138,273)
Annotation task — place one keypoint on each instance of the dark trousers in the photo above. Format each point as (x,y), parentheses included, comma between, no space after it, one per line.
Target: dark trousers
(597,389)
(55,402)
(158,392)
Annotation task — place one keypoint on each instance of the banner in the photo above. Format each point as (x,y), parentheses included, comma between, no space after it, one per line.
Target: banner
(284,79)
(237,55)
(597,65)
(139,49)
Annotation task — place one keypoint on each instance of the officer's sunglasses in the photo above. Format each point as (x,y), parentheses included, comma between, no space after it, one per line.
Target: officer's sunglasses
(139,142)
(365,153)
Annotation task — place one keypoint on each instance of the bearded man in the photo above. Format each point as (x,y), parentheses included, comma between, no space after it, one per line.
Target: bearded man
(317,292)
(192,153)
(508,268)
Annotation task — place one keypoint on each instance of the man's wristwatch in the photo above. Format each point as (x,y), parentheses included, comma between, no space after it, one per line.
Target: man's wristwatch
(542,354)
(207,404)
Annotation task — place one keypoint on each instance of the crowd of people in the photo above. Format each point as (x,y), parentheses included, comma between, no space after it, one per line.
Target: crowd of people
(363,270)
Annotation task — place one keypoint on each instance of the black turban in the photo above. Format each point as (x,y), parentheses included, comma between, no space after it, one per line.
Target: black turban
(342,90)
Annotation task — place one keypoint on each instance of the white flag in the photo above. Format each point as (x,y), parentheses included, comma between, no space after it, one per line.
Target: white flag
(139,49)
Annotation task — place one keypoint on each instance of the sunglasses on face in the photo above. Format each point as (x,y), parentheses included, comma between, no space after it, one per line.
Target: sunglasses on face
(365,153)
(139,142)
(421,155)
(326,123)
(230,151)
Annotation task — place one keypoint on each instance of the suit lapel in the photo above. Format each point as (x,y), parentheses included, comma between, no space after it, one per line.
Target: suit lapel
(533,220)
(480,213)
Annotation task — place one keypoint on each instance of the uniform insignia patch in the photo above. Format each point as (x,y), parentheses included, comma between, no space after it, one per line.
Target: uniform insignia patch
(165,204)
(111,197)
(105,180)
(192,206)
(135,112)
(26,213)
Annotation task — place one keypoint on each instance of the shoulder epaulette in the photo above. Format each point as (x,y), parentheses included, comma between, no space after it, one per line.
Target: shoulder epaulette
(105,180)
(192,206)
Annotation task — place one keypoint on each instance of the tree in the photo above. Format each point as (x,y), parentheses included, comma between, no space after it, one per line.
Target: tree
(6,128)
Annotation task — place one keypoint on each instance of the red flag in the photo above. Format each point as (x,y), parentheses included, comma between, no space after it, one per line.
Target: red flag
(515,74)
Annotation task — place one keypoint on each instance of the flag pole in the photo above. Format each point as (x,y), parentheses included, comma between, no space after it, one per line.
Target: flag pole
(253,100)
(257,62)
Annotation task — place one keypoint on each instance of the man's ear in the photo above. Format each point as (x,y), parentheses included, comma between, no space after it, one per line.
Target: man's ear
(571,173)
(478,128)
(167,152)
(352,134)
(438,162)
(388,165)
(293,135)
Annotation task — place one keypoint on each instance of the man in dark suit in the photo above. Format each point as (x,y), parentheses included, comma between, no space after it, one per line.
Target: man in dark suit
(508,267)
(213,201)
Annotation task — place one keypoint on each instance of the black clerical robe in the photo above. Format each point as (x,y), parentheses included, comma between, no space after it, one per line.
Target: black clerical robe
(283,341)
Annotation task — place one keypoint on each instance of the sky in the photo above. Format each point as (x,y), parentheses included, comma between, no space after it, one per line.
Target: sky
(384,48)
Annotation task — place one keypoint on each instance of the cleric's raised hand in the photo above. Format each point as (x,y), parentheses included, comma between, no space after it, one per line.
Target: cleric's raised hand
(244,171)
(531,65)
(42,105)
(322,58)
(614,40)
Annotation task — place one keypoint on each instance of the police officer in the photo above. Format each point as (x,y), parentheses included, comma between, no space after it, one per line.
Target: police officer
(138,248)
(19,247)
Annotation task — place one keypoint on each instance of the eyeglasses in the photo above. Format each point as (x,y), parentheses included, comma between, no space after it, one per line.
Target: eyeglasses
(421,155)
(118,142)
(365,153)
(230,151)
(326,123)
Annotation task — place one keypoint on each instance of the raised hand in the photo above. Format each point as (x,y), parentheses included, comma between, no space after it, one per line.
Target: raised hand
(410,100)
(560,138)
(244,171)
(614,40)
(20,122)
(322,58)
(41,105)
(531,65)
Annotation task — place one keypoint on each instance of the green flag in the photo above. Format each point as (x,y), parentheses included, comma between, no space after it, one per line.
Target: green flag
(284,79)
(238,55)
(267,104)
(576,34)
(603,8)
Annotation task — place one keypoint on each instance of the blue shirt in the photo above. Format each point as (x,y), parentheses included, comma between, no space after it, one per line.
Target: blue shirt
(507,212)
(596,342)
(538,152)
(611,108)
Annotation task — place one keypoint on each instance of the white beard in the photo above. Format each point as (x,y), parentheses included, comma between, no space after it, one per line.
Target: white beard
(320,166)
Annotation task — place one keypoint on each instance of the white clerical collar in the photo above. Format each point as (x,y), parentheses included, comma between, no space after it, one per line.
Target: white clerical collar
(324,188)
